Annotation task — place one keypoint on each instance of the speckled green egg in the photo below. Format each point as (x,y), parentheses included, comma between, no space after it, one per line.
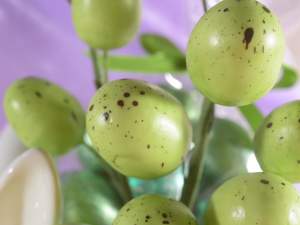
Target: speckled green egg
(254,199)
(44,115)
(106,24)
(277,142)
(138,128)
(235,52)
(154,210)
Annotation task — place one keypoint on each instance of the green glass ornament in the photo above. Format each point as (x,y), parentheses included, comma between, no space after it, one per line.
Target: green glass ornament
(89,158)
(89,199)
(169,186)
(228,150)
(44,115)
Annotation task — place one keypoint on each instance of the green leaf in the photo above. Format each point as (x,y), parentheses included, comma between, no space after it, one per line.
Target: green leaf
(153,64)
(154,44)
(253,115)
(289,78)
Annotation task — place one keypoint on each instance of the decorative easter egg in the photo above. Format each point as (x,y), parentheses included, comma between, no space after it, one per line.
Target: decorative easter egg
(44,115)
(235,52)
(89,199)
(258,198)
(106,24)
(138,128)
(277,143)
(153,210)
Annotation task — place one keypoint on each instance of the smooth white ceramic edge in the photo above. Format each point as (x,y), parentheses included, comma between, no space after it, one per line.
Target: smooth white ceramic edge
(10,147)
(29,191)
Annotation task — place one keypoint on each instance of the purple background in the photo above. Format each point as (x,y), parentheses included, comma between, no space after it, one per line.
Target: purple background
(37,38)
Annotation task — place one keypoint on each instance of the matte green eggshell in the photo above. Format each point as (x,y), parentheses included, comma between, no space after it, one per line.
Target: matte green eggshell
(44,115)
(235,52)
(138,128)
(277,142)
(106,24)
(154,210)
(254,199)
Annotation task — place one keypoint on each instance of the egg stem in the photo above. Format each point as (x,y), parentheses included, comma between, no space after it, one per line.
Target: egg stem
(97,71)
(204,4)
(192,181)
(104,76)
(119,181)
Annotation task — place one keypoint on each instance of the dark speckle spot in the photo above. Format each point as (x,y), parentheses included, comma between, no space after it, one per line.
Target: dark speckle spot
(283,184)
(135,103)
(248,35)
(106,116)
(148,146)
(162,165)
(263,181)
(281,138)
(269,125)
(266,9)
(120,103)
(91,108)
(243,198)
(74,116)
(126,95)
(38,94)
(225,10)
(298,161)
(164,215)
(165,222)
(142,93)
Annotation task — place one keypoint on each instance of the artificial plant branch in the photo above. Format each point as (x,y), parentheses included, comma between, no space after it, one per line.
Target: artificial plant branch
(192,182)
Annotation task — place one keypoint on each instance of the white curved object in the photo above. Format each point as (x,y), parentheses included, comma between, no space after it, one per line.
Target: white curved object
(10,147)
(29,191)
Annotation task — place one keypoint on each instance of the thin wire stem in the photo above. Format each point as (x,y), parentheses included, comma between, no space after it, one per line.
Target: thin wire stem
(97,71)
(192,182)
(105,66)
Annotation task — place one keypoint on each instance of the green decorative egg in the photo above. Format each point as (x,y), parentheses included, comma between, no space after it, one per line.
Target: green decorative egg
(277,142)
(235,52)
(44,115)
(106,24)
(89,199)
(260,199)
(154,210)
(138,128)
